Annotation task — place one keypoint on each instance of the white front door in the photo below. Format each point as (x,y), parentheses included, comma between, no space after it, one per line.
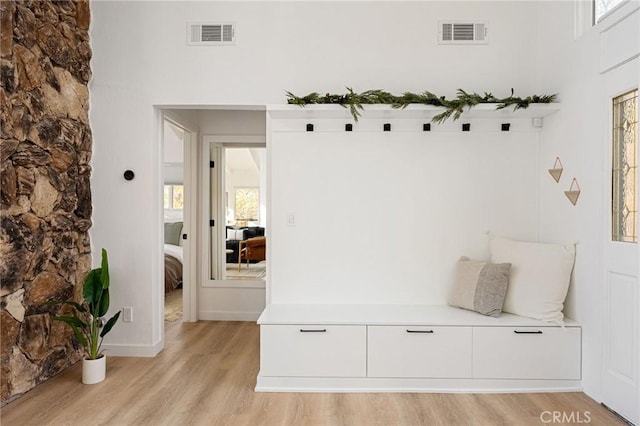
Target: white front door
(621,333)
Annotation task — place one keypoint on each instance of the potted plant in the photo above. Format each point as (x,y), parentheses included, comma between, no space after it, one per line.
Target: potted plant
(88,323)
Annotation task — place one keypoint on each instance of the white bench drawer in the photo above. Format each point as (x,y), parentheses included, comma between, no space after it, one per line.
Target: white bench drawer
(406,351)
(313,351)
(526,353)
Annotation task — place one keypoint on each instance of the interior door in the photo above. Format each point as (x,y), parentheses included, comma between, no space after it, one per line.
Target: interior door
(621,357)
(189,270)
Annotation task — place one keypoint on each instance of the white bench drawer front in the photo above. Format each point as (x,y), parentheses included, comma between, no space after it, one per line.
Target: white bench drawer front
(438,352)
(313,351)
(526,353)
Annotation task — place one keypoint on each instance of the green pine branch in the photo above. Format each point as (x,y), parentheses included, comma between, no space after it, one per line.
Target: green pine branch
(453,108)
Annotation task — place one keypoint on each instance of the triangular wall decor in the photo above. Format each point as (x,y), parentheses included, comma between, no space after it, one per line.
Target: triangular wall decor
(574,192)
(556,172)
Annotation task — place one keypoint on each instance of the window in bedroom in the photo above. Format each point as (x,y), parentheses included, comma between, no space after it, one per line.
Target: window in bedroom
(602,7)
(624,207)
(247,208)
(174,197)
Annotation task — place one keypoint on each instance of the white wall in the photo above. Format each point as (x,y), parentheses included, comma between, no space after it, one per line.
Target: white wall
(383,217)
(173,164)
(230,122)
(280,46)
(173,156)
(578,135)
(127,215)
(307,46)
(172,144)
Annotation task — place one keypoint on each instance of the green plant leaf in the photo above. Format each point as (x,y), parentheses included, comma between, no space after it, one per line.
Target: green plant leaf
(104,277)
(78,306)
(109,325)
(72,321)
(104,303)
(79,328)
(81,338)
(92,287)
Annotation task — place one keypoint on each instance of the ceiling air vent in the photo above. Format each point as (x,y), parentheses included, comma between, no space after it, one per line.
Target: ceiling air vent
(211,34)
(450,32)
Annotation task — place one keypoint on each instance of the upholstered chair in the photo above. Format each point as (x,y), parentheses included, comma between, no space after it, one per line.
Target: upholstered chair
(252,249)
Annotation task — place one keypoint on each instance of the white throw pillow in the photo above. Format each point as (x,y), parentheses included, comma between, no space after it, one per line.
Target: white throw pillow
(235,234)
(539,279)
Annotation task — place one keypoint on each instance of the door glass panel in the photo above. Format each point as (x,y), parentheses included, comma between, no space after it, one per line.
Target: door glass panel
(624,207)
(602,7)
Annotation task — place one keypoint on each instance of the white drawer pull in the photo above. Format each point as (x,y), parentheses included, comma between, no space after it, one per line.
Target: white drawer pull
(420,331)
(302,330)
(528,332)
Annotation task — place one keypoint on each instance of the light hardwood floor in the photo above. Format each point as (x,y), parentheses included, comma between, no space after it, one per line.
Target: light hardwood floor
(206,375)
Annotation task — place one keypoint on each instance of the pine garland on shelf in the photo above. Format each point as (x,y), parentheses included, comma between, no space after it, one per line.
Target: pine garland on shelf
(453,107)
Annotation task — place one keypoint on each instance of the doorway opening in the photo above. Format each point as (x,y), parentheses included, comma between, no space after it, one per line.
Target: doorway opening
(207,293)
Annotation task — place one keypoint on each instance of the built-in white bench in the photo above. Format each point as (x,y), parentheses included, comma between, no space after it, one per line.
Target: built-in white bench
(415,348)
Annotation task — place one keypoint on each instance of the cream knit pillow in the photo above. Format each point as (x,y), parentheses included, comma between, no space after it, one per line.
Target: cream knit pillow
(539,280)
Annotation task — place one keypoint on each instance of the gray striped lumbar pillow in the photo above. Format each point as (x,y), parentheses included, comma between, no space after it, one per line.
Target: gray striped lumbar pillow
(480,286)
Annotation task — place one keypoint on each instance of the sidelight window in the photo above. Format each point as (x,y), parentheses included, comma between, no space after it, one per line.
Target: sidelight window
(625,167)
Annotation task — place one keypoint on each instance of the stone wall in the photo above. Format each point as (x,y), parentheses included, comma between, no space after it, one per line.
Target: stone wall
(45,194)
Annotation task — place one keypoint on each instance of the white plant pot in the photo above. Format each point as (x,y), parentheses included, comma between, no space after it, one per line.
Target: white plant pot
(94,370)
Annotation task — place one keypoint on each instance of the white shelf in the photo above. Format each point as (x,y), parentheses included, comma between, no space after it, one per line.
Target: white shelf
(343,314)
(484,111)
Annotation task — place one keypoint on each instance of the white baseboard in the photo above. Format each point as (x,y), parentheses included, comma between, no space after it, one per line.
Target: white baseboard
(373,385)
(147,351)
(228,316)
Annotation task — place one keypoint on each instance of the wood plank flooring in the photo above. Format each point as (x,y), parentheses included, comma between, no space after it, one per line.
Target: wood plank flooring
(206,376)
